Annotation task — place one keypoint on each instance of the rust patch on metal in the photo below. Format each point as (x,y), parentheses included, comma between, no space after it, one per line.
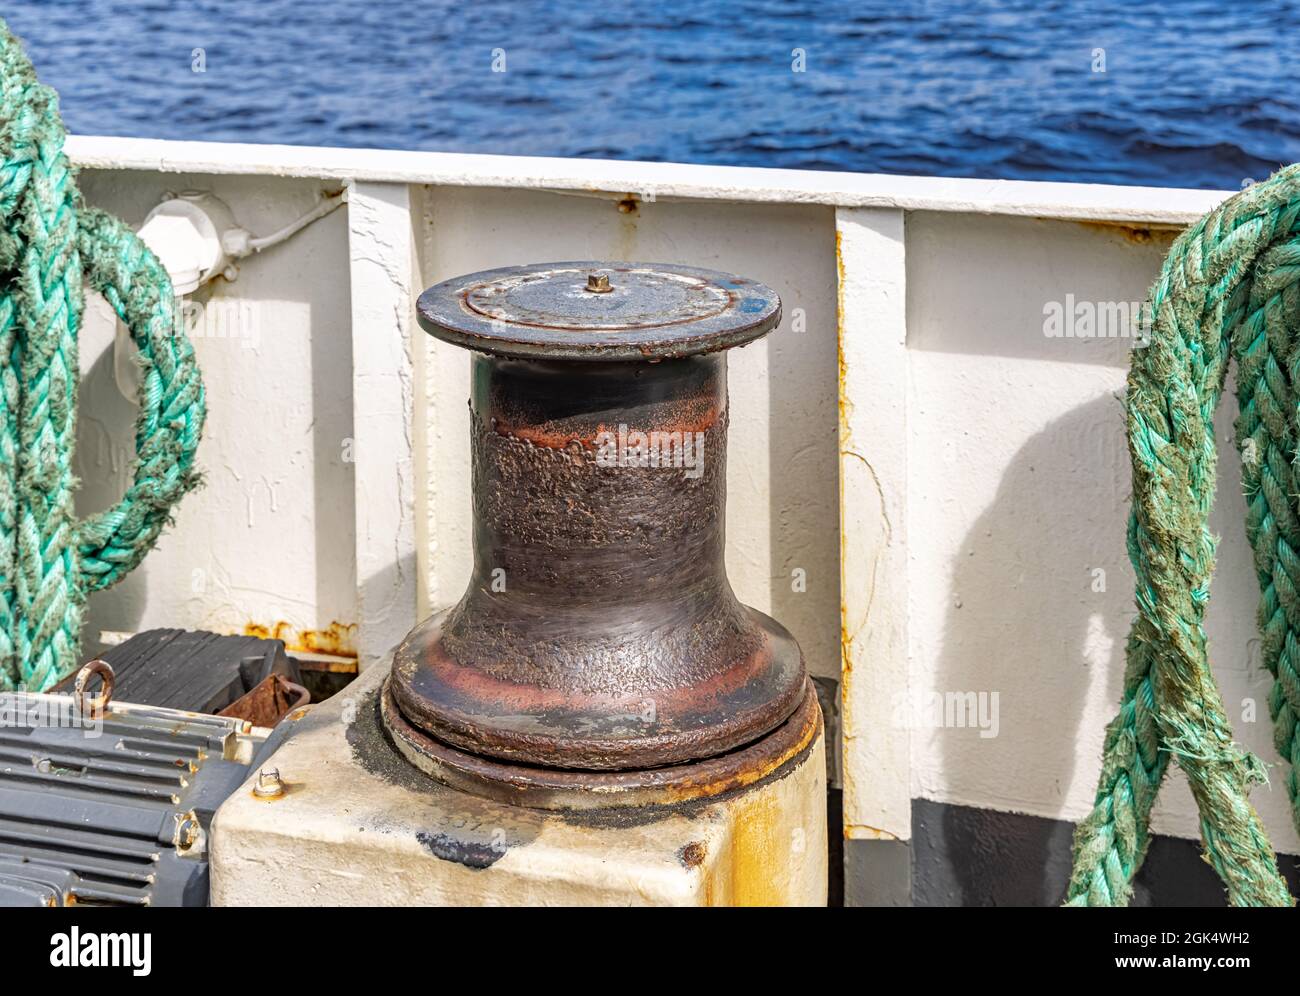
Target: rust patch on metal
(756,844)
(692,855)
(845,408)
(1139,235)
(699,417)
(860,831)
(268,701)
(337,639)
(648,790)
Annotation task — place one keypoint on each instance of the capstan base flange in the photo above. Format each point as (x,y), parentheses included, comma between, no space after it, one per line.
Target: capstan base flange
(557,789)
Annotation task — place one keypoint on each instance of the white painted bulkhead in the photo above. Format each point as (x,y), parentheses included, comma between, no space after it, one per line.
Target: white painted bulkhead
(976,465)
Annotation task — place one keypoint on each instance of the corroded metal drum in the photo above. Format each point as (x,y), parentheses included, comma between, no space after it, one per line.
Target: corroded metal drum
(599,633)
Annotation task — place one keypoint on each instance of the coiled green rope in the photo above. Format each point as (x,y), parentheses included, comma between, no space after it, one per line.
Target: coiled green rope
(1229,286)
(50,245)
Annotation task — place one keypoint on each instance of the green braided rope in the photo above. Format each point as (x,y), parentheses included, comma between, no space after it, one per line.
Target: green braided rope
(49,245)
(1229,286)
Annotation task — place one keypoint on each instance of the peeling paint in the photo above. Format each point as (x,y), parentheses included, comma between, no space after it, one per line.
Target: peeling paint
(692,855)
(337,639)
(1139,235)
(468,853)
(859,831)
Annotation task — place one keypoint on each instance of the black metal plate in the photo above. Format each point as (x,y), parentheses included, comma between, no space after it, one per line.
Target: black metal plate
(651,311)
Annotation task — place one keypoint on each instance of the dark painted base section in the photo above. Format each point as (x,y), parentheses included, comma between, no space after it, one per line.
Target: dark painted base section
(962,856)
(877,873)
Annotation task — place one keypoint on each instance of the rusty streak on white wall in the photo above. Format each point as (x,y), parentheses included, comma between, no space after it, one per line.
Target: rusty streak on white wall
(873,521)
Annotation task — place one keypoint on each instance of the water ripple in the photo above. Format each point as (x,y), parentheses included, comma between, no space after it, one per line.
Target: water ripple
(1193,94)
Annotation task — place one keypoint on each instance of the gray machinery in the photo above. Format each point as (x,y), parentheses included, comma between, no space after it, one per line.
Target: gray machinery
(108,802)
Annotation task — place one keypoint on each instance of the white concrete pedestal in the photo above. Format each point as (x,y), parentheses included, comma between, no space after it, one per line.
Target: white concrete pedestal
(357,825)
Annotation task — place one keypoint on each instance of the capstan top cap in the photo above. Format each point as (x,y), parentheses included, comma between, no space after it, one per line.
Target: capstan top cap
(599,311)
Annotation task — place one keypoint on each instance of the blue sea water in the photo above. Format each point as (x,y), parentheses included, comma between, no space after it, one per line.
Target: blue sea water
(1189,94)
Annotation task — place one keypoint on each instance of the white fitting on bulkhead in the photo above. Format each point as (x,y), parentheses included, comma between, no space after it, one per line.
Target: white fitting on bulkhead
(187,233)
(195,237)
